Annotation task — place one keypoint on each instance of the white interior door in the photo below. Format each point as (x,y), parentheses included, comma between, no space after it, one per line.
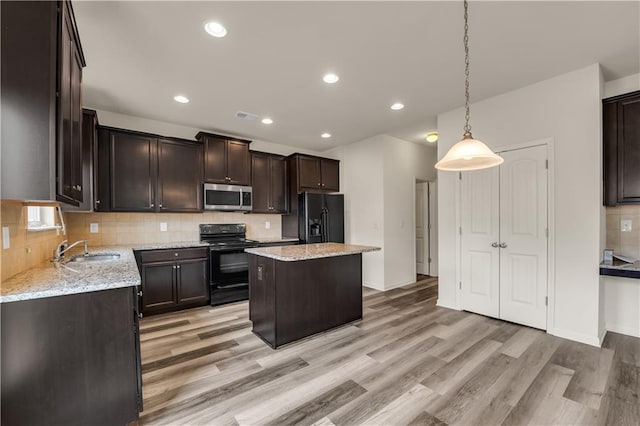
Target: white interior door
(422,266)
(480,235)
(523,236)
(433,228)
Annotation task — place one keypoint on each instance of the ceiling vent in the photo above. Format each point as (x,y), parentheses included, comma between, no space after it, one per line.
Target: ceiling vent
(246,116)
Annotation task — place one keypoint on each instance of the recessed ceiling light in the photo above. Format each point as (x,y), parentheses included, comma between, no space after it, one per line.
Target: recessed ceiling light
(432,137)
(325,135)
(267,121)
(397,106)
(181,99)
(330,78)
(215,29)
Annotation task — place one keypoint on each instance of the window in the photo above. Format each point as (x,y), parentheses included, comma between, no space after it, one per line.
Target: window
(40,218)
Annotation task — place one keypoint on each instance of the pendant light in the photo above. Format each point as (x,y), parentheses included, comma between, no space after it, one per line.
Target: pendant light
(469,153)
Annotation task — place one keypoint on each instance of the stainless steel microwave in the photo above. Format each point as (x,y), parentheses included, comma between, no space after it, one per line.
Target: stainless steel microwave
(227,197)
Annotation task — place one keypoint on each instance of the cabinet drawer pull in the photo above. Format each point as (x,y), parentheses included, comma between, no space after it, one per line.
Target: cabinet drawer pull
(175,254)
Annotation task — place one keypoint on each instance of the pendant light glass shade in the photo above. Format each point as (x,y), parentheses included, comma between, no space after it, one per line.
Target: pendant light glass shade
(469,154)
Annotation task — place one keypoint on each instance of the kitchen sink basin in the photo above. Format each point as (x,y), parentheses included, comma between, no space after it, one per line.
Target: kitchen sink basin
(94,257)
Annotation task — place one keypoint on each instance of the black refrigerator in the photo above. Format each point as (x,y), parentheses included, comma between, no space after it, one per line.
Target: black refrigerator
(320,218)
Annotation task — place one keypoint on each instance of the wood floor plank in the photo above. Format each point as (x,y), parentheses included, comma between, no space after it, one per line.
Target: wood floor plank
(407,361)
(320,406)
(403,409)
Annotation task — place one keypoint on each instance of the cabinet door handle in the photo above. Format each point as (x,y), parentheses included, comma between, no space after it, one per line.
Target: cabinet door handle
(79,187)
(140,293)
(503,245)
(151,205)
(173,267)
(139,314)
(178,266)
(175,254)
(160,205)
(494,245)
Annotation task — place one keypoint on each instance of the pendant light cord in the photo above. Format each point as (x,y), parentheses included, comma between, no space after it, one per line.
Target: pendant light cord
(467,126)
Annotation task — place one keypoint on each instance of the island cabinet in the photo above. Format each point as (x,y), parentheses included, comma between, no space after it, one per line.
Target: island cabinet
(621,137)
(42,63)
(226,160)
(268,179)
(289,300)
(313,174)
(139,172)
(173,279)
(71,359)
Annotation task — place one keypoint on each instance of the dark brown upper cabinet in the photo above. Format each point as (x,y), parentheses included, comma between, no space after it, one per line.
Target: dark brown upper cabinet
(621,127)
(138,172)
(268,178)
(179,176)
(41,75)
(313,174)
(226,160)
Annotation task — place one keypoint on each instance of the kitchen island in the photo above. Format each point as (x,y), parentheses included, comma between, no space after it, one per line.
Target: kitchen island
(297,291)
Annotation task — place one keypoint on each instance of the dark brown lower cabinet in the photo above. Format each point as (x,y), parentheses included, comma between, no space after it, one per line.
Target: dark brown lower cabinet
(292,300)
(173,279)
(72,359)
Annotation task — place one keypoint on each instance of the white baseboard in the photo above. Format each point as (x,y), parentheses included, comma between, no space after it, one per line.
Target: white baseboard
(624,329)
(603,333)
(392,286)
(373,286)
(446,305)
(576,337)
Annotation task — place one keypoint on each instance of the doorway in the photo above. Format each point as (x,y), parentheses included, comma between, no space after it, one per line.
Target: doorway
(504,234)
(426,228)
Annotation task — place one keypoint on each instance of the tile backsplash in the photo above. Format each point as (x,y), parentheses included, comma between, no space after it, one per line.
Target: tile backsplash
(144,228)
(27,248)
(626,243)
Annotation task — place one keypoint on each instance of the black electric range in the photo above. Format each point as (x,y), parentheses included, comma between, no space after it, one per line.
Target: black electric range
(229,264)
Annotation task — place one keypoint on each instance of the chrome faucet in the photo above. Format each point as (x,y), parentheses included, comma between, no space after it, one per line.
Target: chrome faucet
(63,248)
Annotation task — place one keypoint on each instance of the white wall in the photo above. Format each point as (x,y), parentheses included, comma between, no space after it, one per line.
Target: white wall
(623,85)
(621,302)
(129,122)
(567,110)
(404,162)
(361,181)
(378,177)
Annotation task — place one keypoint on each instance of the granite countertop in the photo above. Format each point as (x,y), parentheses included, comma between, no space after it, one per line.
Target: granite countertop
(621,269)
(162,246)
(309,251)
(50,279)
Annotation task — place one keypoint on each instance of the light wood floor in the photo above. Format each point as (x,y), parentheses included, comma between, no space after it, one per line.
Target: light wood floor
(406,362)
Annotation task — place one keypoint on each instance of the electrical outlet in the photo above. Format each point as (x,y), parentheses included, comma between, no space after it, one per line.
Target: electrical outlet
(94,228)
(6,241)
(267,224)
(625,225)
(163,226)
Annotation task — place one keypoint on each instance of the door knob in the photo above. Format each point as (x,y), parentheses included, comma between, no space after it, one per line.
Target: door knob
(503,245)
(495,245)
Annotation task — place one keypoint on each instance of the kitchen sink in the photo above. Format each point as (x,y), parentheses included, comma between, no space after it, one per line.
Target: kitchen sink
(91,257)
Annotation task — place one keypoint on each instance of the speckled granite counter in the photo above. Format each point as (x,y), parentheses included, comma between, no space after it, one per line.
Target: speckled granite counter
(621,269)
(309,251)
(49,279)
(162,246)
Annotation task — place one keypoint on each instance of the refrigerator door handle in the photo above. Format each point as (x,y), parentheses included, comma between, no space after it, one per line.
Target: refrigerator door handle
(324,220)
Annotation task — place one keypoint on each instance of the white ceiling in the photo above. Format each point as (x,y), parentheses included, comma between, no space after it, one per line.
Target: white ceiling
(141,54)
